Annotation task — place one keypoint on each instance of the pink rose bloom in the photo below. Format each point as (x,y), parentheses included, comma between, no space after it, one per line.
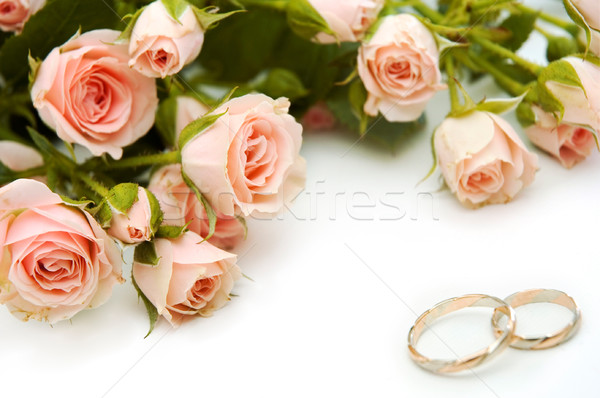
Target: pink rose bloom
(399,68)
(134,226)
(249,160)
(181,206)
(568,143)
(55,260)
(318,117)
(582,108)
(161,46)
(14,13)
(482,158)
(85,91)
(590,9)
(19,157)
(191,278)
(188,110)
(348,19)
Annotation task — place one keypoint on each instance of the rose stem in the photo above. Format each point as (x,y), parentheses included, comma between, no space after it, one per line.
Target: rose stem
(488,4)
(97,187)
(570,27)
(452,85)
(497,49)
(278,5)
(427,11)
(157,159)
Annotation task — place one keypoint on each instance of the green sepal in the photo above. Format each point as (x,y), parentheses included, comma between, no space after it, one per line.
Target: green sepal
(150,308)
(145,253)
(175,8)
(208,17)
(435,159)
(305,21)
(579,19)
(561,72)
(525,115)
(197,127)
(121,197)
(103,214)
(561,47)
(156,214)
(171,231)
(500,106)
(126,33)
(279,82)
(357,95)
(34,67)
(242,221)
(445,44)
(210,212)
(82,204)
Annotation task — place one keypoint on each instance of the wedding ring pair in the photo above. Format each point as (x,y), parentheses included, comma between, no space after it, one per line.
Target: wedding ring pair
(505,335)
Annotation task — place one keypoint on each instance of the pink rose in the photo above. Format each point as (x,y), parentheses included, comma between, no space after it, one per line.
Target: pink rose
(570,144)
(399,68)
(19,157)
(55,260)
(181,206)
(348,19)
(595,44)
(582,108)
(191,278)
(318,117)
(161,46)
(134,226)
(86,92)
(482,158)
(250,158)
(188,110)
(590,9)
(14,13)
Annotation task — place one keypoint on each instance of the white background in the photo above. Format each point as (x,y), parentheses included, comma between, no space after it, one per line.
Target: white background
(334,296)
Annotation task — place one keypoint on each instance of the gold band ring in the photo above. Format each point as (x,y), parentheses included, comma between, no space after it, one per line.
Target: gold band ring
(541,296)
(503,337)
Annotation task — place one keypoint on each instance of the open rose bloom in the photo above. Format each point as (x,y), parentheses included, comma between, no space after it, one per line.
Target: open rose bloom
(86,92)
(249,160)
(482,158)
(55,260)
(181,207)
(568,143)
(399,68)
(14,13)
(348,19)
(191,278)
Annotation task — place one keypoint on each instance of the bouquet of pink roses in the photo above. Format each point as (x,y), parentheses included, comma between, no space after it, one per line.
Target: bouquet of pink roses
(160,125)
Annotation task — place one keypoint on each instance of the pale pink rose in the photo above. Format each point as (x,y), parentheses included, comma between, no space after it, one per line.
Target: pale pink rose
(188,110)
(318,117)
(482,158)
(181,206)
(590,9)
(249,160)
(19,157)
(161,46)
(55,260)
(595,44)
(14,13)
(582,108)
(348,19)
(191,278)
(568,143)
(85,91)
(134,226)
(399,68)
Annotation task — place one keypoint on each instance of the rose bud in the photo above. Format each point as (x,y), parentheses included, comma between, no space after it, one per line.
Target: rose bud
(159,45)
(568,143)
(590,10)
(581,106)
(249,159)
(55,258)
(188,110)
(318,117)
(191,278)
(135,225)
(19,157)
(482,158)
(181,207)
(85,91)
(399,68)
(14,13)
(348,19)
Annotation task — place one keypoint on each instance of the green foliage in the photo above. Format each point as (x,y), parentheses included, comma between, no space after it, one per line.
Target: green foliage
(165,121)
(579,19)
(122,197)
(145,253)
(156,214)
(150,308)
(560,47)
(520,25)
(208,19)
(525,115)
(170,231)
(279,82)
(197,127)
(561,72)
(210,212)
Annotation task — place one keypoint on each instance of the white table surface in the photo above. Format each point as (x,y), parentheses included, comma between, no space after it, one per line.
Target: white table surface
(338,282)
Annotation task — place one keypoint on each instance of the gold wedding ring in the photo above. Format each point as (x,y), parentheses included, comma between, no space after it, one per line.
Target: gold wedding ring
(503,336)
(541,296)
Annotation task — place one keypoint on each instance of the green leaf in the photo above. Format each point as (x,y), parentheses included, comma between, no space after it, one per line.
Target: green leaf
(6,174)
(279,82)
(150,308)
(210,212)
(156,214)
(170,231)
(357,95)
(126,34)
(305,21)
(46,148)
(175,8)
(500,106)
(121,197)
(145,253)
(52,26)
(208,17)
(197,127)
(520,25)
(165,121)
